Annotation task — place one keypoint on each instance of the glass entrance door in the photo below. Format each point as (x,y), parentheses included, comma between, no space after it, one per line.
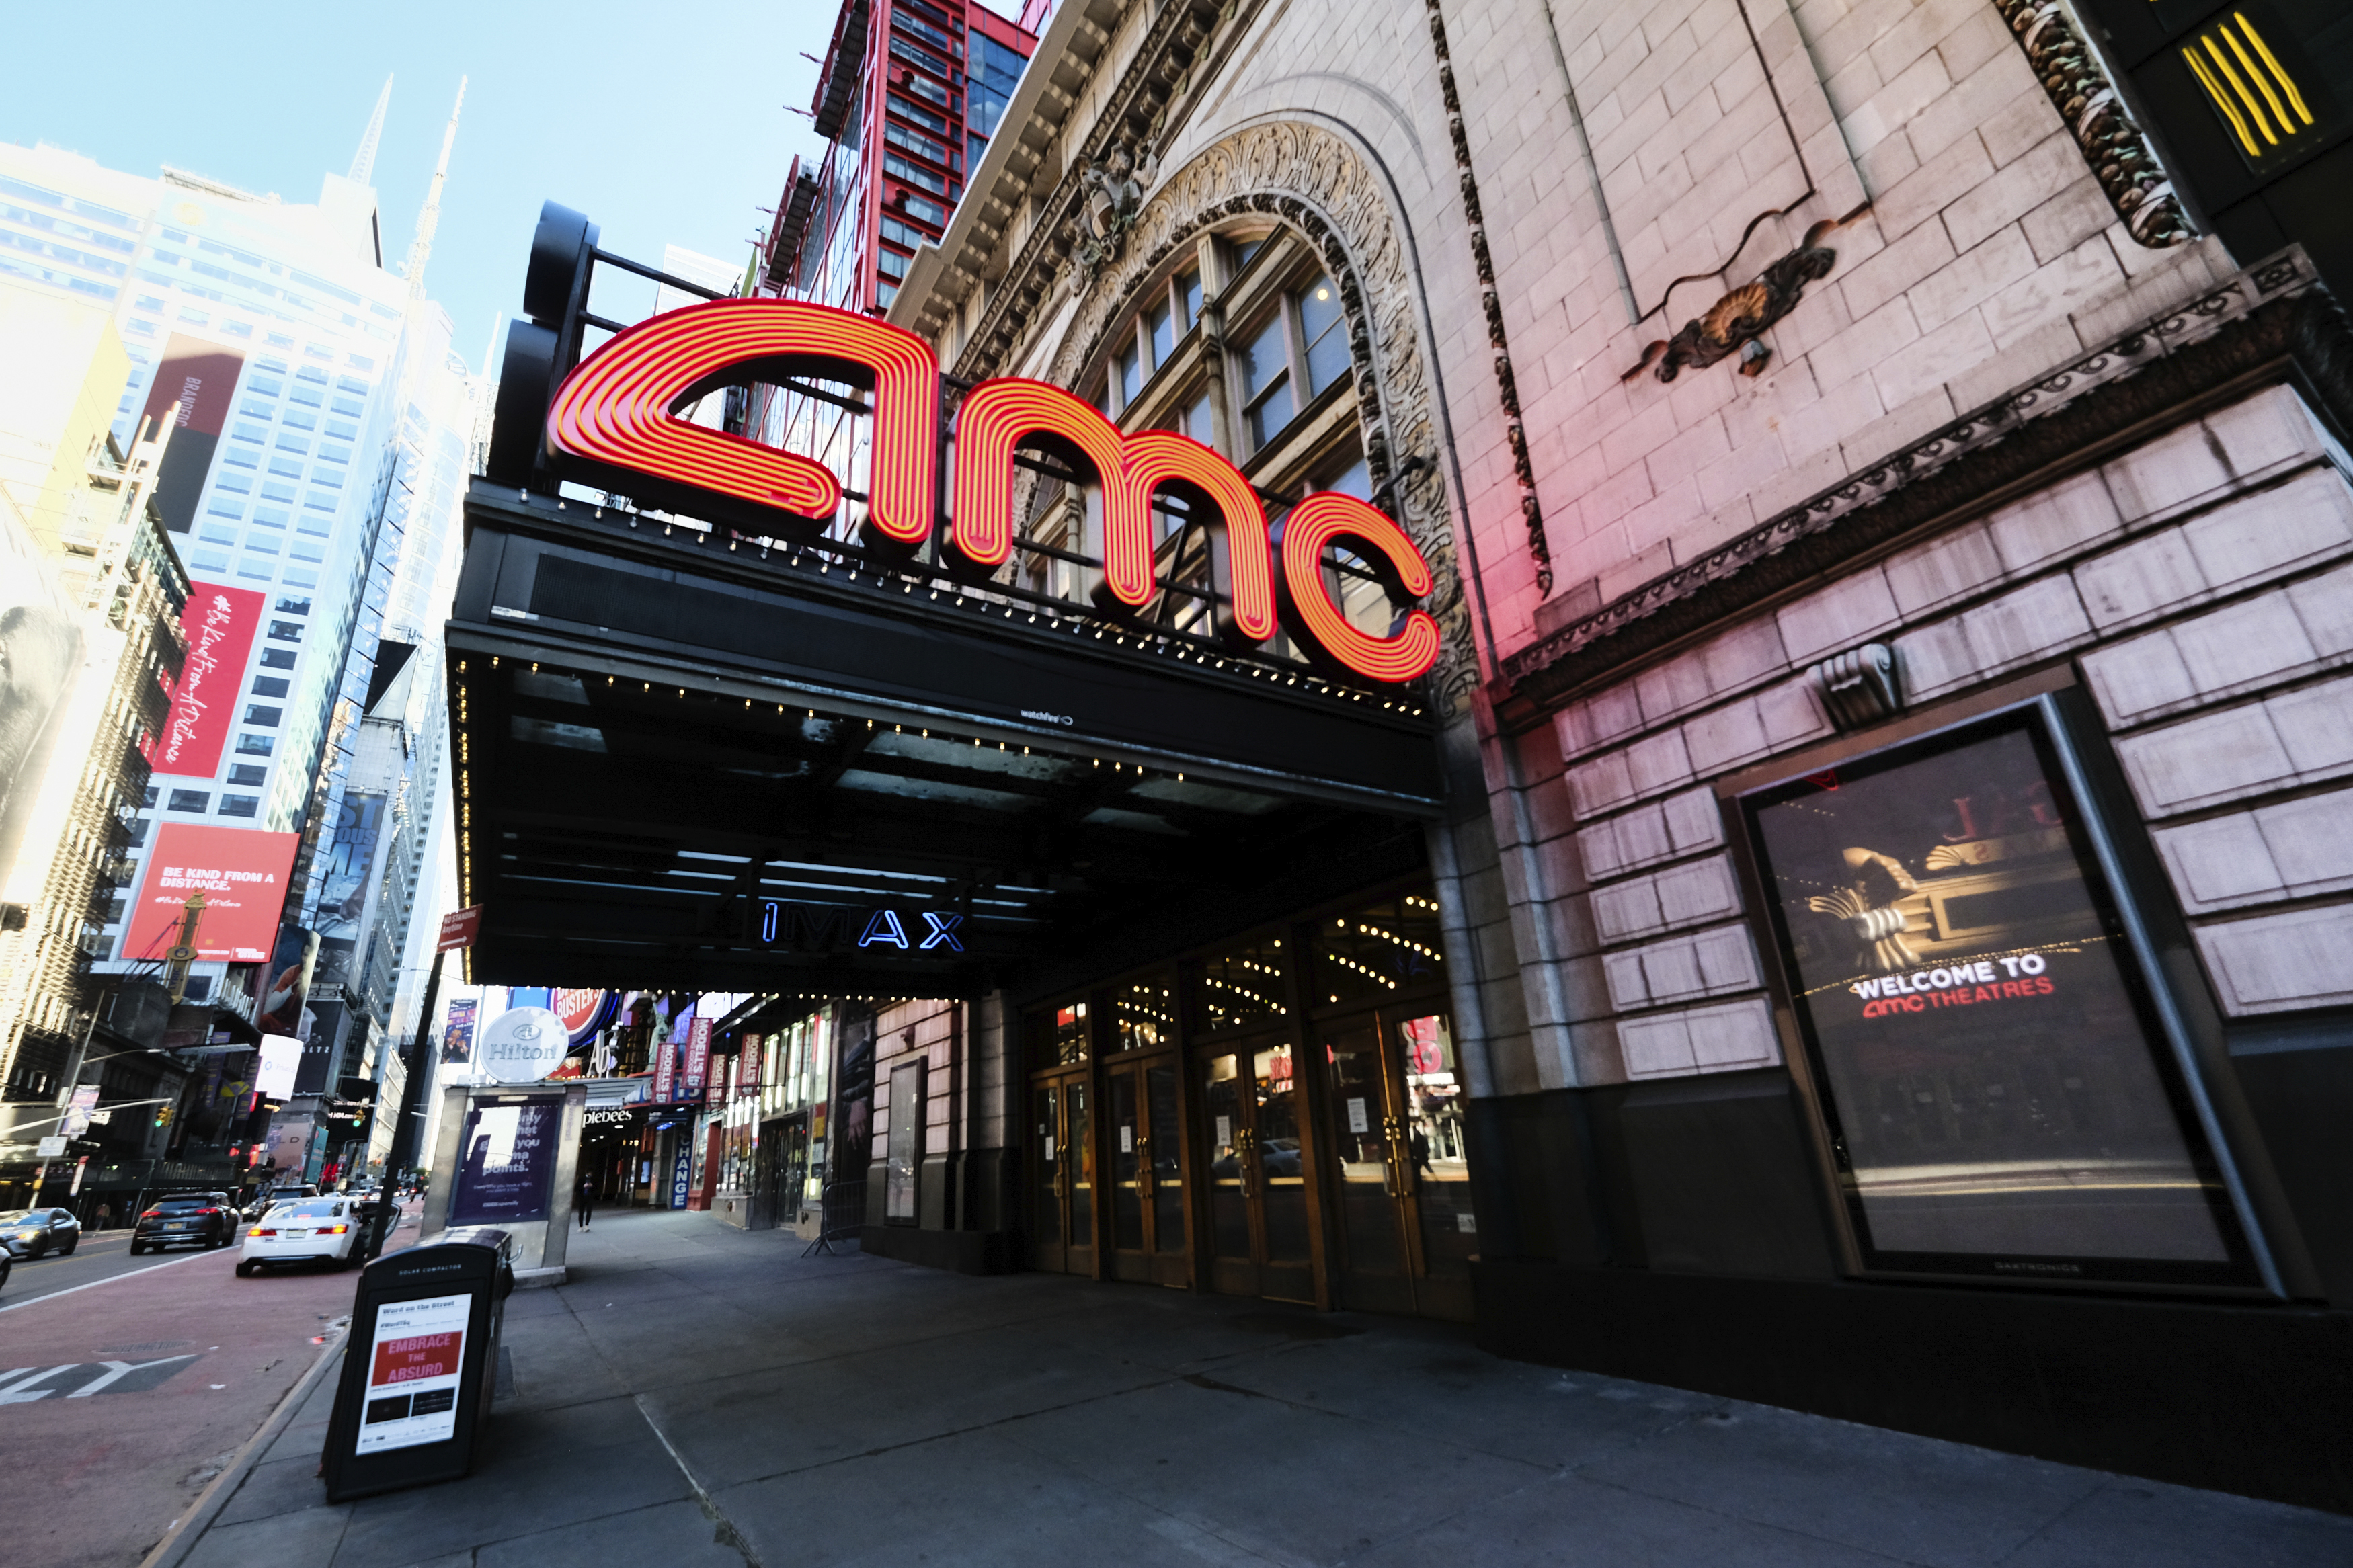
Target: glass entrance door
(1394,1124)
(1147,1187)
(1063,1190)
(1260,1229)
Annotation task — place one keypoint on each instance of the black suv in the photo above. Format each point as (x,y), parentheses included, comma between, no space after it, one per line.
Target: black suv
(201,1219)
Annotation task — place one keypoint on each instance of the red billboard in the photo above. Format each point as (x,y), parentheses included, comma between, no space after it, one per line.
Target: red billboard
(199,378)
(242,874)
(220,624)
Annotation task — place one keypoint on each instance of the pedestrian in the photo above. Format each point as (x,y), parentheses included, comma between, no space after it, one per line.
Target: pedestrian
(584,1203)
(105,1212)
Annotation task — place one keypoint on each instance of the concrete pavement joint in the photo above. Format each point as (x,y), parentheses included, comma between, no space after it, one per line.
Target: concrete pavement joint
(724,1531)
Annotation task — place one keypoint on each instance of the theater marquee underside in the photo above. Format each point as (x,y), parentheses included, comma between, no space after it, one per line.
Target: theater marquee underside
(686,766)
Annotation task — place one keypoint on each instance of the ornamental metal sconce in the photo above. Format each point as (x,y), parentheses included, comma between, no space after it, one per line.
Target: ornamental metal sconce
(1733,324)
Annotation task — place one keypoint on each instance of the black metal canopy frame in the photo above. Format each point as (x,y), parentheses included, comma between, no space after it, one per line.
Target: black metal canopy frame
(690,756)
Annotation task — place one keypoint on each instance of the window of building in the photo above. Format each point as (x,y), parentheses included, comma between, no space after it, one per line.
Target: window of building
(916,207)
(297,577)
(1130,374)
(1322,332)
(1264,363)
(247,773)
(908,110)
(898,233)
(890,263)
(254,745)
(1199,422)
(259,571)
(899,168)
(267,718)
(330,453)
(239,805)
(1244,985)
(1160,327)
(296,419)
(241,431)
(339,429)
(996,72)
(189,800)
(924,86)
(294,606)
(278,658)
(270,686)
(285,631)
(1189,296)
(1062,1035)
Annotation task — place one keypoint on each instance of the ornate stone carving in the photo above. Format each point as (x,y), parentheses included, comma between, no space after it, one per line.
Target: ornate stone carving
(2115,147)
(1507,385)
(2273,313)
(1733,324)
(1114,188)
(1315,182)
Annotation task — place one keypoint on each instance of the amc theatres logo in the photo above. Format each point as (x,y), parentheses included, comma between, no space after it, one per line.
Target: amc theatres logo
(616,409)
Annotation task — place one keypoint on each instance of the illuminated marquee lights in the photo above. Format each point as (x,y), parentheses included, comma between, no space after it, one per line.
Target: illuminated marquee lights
(1314,526)
(615,407)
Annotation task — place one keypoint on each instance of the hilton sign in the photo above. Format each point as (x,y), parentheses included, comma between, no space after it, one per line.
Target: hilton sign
(616,409)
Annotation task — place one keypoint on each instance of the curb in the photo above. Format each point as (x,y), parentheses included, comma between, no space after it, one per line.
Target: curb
(182,1538)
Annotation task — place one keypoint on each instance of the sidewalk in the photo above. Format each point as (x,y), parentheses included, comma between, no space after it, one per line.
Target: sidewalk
(700,1395)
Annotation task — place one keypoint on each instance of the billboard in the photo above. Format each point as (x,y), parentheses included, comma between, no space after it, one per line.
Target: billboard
(285,1002)
(220,625)
(242,874)
(458,1036)
(40,651)
(282,1055)
(508,1161)
(200,378)
(345,882)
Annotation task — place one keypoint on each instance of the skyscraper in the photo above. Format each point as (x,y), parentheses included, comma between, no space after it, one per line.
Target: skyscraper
(908,97)
(321,419)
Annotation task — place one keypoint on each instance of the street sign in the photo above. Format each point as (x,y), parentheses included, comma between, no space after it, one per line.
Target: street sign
(52,1148)
(458,928)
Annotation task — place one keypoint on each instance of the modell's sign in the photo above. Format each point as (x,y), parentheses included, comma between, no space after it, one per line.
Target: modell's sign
(616,409)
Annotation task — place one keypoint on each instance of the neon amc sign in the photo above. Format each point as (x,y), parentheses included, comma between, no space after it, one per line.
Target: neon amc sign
(616,408)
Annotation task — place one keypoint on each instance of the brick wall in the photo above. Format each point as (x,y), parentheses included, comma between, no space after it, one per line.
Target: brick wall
(2203,585)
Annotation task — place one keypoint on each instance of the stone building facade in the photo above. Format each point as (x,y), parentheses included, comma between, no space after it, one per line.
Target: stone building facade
(1778,390)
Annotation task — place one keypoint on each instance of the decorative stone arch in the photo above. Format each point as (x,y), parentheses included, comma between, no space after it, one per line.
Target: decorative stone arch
(1316,182)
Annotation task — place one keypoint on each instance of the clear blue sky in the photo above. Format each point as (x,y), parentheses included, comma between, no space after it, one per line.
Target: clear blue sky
(663,123)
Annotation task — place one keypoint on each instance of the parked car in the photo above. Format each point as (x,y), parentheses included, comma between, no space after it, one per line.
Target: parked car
(199,1219)
(326,1230)
(30,1233)
(6,1263)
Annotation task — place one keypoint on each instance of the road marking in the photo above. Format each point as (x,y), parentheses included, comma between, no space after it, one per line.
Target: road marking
(118,1369)
(13,1394)
(110,1280)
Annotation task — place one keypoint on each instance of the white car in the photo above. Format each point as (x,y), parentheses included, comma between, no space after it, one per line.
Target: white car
(307,1230)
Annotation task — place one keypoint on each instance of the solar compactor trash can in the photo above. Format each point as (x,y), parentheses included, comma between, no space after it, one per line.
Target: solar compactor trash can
(420,1365)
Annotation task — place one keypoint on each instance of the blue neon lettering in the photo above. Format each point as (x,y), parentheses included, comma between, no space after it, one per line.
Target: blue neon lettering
(884,926)
(943,931)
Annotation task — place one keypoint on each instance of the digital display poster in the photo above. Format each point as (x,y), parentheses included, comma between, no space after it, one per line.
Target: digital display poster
(220,625)
(458,1037)
(2001,1099)
(347,878)
(508,1161)
(241,871)
(415,1369)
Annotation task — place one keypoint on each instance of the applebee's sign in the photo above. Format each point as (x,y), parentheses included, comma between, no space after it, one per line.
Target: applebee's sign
(614,408)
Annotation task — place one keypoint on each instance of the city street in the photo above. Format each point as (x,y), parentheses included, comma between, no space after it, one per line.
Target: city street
(702,1396)
(126,1385)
